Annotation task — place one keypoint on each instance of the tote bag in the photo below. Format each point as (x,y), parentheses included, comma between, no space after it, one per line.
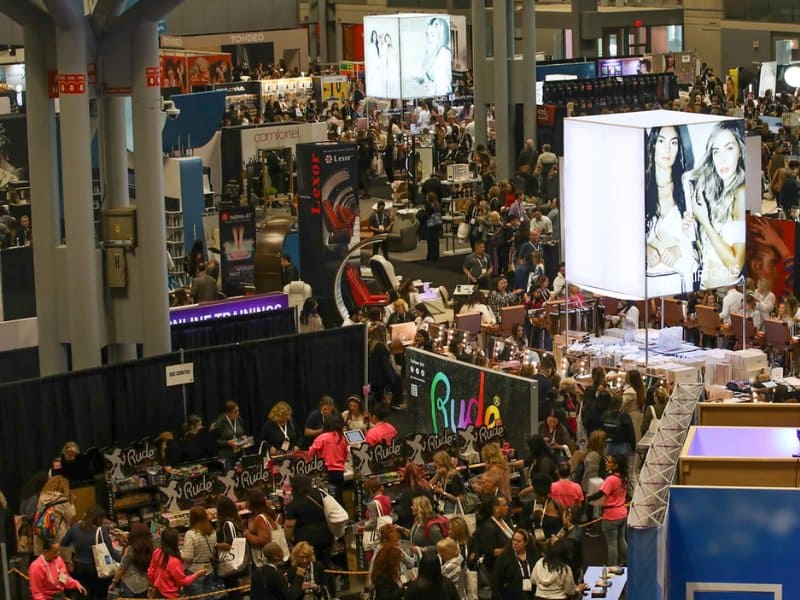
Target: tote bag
(234,560)
(335,514)
(104,564)
(469,518)
(279,537)
(371,539)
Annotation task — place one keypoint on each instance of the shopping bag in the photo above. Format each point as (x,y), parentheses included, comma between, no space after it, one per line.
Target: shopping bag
(469,518)
(371,539)
(104,564)
(234,560)
(335,514)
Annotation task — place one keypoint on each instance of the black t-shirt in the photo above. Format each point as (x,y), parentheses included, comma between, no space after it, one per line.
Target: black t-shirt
(310,524)
(274,437)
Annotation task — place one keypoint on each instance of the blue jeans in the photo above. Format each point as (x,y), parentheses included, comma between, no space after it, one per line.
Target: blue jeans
(614,532)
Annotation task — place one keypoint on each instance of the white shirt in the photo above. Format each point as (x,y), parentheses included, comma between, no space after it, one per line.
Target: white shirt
(732,302)
(544,224)
(423,119)
(487,316)
(766,303)
(558,284)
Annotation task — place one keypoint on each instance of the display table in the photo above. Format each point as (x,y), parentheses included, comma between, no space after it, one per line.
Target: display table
(753,414)
(740,456)
(614,591)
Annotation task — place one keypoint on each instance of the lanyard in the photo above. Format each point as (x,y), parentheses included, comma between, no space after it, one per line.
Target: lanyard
(284,430)
(233,424)
(544,510)
(503,527)
(524,568)
(49,572)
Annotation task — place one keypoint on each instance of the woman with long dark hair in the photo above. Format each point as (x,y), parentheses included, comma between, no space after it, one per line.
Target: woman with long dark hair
(716,192)
(667,220)
(261,525)
(334,449)
(132,573)
(430,584)
(633,399)
(552,574)
(615,512)
(310,321)
(82,536)
(305,518)
(166,573)
(228,526)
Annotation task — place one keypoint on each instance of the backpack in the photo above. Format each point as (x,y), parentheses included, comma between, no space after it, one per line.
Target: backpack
(46,520)
(442,522)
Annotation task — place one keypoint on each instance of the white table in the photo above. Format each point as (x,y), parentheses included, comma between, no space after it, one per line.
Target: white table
(614,591)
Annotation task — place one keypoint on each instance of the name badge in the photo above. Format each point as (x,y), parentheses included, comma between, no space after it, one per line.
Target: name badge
(526,585)
(62,578)
(285,446)
(538,533)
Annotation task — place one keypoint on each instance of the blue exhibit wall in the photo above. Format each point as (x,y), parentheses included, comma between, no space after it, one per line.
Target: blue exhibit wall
(647,562)
(200,118)
(734,536)
(192,201)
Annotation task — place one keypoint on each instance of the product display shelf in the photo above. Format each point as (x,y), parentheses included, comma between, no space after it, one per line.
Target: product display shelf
(175,242)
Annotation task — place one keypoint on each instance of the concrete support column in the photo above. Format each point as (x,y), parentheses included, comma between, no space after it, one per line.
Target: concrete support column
(114,175)
(339,42)
(44,193)
(479,65)
(322,19)
(150,220)
(529,62)
(502,27)
(83,280)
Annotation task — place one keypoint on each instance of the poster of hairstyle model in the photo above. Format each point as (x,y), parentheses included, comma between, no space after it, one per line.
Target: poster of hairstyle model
(426,59)
(237,229)
(382,56)
(694,206)
(409,56)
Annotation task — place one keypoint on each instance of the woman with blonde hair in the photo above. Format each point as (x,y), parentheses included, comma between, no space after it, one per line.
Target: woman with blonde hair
(495,477)
(427,528)
(56,495)
(313,572)
(400,313)
(446,482)
(279,433)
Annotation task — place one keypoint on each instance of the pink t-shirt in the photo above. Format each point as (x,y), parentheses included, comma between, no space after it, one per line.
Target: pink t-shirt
(332,448)
(614,488)
(381,432)
(567,493)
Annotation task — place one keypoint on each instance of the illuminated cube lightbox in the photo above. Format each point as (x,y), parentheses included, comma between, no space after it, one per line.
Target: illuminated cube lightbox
(408,56)
(653,202)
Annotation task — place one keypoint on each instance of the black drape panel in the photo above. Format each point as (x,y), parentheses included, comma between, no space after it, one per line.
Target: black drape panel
(19,296)
(234,330)
(126,402)
(19,364)
(140,403)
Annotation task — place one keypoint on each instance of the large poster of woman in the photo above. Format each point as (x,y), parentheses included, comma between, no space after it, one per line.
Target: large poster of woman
(694,206)
(426,59)
(381,57)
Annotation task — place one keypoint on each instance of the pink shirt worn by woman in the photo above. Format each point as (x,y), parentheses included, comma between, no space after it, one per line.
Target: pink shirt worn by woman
(333,448)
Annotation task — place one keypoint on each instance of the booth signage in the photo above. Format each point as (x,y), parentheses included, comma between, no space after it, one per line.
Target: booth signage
(129,460)
(52,84)
(181,493)
(71,84)
(546,115)
(179,374)
(283,469)
(237,231)
(327,186)
(422,446)
(246,305)
(452,395)
(91,73)
(379,458)
(152,76)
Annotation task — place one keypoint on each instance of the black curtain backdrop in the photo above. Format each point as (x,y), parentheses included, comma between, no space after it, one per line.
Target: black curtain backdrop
(236,329)
(124,403)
